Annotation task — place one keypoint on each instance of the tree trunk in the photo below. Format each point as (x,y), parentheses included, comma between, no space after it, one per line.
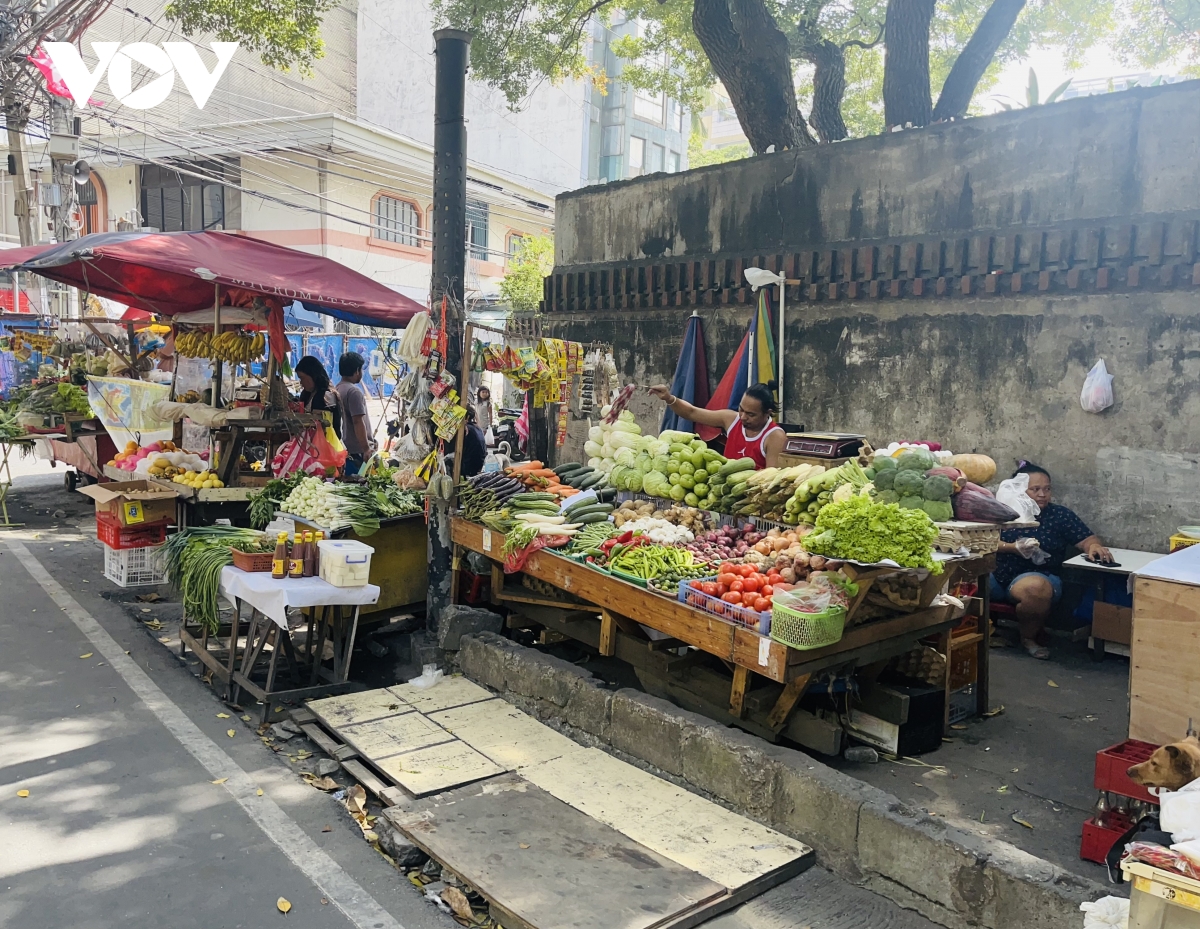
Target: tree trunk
(16,115)
(906,94)
(968,68)
(753,61)
(829,87)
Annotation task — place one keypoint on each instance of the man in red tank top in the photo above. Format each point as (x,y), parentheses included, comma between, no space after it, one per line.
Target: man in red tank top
(751,431)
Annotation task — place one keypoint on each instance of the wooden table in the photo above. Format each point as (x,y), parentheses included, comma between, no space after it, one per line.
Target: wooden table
(1127,561)
(6,480)
(623,608)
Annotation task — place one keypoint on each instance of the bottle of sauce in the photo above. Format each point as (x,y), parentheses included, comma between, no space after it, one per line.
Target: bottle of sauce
(296,562)
(318,537)
(279,561)
(310,555)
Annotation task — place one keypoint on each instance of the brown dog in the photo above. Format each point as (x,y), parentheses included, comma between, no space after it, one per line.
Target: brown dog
(1170,767)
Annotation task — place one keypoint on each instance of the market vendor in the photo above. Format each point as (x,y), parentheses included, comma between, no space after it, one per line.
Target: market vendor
(315,391)
(750,429)
(1027,563)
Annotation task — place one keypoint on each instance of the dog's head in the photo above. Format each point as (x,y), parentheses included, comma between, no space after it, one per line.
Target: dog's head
(1170,767)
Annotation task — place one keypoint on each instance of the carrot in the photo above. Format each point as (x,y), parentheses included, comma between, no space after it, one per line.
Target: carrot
(526,467)
(544,472)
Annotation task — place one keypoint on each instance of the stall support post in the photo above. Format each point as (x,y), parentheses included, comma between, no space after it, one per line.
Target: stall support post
(216,384)
(779,350)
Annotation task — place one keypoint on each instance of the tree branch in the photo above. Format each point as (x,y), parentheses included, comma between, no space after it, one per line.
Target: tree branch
(865,46)
(974,59)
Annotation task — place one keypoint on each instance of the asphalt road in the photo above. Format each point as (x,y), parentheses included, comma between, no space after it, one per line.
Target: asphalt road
(143,812)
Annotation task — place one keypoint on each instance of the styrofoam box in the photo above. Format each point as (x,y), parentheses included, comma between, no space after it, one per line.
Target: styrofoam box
(345,563)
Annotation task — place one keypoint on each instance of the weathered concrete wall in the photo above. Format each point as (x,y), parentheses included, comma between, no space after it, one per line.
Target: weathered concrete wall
(1131,154)
(999,377)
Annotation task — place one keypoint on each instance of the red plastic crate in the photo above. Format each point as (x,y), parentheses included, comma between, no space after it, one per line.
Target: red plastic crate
(1098,838)
(1114,761)
(475,588)
(110,531)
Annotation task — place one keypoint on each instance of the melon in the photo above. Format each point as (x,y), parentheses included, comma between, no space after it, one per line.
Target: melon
(979,469)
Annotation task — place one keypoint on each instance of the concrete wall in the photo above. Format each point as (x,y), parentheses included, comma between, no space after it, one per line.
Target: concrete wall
(1047,218)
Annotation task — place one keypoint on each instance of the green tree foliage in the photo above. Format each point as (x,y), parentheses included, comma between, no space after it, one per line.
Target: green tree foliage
(521,287)
(284,33)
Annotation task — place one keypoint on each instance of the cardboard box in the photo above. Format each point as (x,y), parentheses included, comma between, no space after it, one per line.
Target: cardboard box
(133,502)
(1112,623)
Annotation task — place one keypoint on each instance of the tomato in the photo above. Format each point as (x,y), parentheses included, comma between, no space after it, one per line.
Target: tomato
(732,598)
(722,589)
(782,587)
(746,570)
(696,585)
(726,568)
(752,583)
(766,590)
(726,578)
(761,605)
(737,586)
(710,588)
(749,597)
(769,602)
(774,577)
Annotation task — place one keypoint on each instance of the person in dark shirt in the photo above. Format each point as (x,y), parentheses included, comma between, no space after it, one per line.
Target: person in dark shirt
(474,449)
(1027,562)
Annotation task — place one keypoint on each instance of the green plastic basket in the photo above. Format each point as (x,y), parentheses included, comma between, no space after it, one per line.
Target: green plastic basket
(805,631)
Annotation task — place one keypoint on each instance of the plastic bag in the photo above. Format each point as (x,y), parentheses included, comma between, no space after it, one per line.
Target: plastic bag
(1097,395)
(1106,913)
(430,675)
(1180,813)
(1012,493)
(1159,856)
(329,456)
(297,455)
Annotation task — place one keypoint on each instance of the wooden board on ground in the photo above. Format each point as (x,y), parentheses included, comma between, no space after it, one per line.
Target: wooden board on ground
(671,821)
(437,768)
(351,709)
(446,693)
(542,864)
(404,732)
(509,737)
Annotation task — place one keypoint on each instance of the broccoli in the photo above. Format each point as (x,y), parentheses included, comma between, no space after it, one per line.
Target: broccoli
(909,483)
(884,479)
(911,502)
(884,463)
(938,488)
(916,459)
(939,510)
(889,496)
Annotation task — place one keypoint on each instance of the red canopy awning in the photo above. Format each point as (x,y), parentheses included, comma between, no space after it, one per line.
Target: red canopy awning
(174,272)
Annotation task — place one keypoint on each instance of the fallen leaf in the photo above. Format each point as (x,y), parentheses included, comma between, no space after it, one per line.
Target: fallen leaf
(996,712)
(229,732)
(283,904)
(958,726)
(260,793)
(1015,770)
(245,719)
(325,783)
(1016,818)
(327,829)
(153,624)
(1051,684)
(88,655)
(222,716)
(220,780)
(147,609)
(1002,790)
(522,845)
(457,901)
(356,799)
(324,901)
(22,794)
(149,598)
(278,709)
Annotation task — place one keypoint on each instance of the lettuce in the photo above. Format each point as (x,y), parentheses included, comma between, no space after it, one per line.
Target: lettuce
(859,530)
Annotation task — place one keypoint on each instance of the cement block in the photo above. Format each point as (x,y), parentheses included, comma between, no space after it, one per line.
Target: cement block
(456,620)
(1031,893)
(543,676)
(394,843)
(648,728)
(732,765)
(590,709)
(484,658)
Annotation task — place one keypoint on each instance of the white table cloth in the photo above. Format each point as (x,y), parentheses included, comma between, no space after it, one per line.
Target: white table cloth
(273,597)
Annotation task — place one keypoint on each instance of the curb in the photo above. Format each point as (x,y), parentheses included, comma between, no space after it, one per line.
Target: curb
(864,834)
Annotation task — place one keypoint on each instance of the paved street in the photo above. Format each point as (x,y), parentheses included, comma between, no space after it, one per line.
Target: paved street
(118,744)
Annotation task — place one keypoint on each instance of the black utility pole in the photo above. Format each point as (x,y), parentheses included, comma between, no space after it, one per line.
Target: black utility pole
(449,266)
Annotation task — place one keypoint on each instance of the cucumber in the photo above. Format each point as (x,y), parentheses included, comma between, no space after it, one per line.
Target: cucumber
(591,510)
(581,505)
(607,494)
(576,478)
(532,496)
(591,481)
(734,467)
(568,466)
(590,518)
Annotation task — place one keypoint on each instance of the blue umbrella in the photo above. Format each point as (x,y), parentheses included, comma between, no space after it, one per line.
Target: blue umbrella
(691,375)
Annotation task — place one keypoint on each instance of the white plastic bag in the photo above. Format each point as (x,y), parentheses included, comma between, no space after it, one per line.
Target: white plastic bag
(1012,493)
(430,675)
(1097,395)
(1106,913)
(1180,813)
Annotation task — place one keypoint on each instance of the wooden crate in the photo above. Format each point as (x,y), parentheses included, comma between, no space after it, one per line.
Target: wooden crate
(1164,676)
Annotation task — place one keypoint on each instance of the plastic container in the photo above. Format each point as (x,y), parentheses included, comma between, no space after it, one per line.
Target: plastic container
(806,631)
(345,562)
(1099,837)
(963,703)
(742,615)
(1114,761)
(110,531)
(133,567)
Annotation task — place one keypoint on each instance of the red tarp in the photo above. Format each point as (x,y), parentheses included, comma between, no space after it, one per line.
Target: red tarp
(175,272)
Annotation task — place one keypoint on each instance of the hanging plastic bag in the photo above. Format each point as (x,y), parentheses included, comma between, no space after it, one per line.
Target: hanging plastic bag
(325,452)
(1106,913)
(1097,395)
(1013,494)
(296,455)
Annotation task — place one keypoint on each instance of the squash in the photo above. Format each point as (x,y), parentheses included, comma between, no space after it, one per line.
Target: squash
(979,469)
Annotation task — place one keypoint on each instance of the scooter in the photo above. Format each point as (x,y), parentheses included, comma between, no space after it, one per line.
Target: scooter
(508,442)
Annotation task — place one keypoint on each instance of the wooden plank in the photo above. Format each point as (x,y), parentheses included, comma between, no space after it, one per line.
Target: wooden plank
(437,768)
(737,695)
(608,634)
(543,864)
(668,820)
(448,692)
(792,692)
(366,777)
(1164,676)
(326,744)
(501,732)
(350,709)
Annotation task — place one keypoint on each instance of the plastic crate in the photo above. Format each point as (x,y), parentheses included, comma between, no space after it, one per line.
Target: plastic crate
(1099,838)
(742,615)
(805,631)
(964,703)
(115,536)
(1114,761)
(133,567)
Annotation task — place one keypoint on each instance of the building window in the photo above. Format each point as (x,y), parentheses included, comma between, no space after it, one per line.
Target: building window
(648,105)
(673,162)
(515,241)
(637,155)
(657,157)
(176,202)
(477,229)
(397,221)
(679,117)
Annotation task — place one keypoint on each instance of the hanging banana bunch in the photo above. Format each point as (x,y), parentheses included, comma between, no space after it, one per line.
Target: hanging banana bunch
(233,347)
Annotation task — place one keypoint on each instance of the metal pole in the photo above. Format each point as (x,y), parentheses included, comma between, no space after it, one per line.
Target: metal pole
(779,349)
(449,228)
(217,366)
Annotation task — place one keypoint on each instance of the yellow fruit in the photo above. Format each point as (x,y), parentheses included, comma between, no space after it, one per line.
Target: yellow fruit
(218,483)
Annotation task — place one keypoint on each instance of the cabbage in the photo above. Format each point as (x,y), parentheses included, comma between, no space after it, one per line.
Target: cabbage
(645,464)
(625,416)
(594,463)
(659,447)
(592,449)
(634,481)
(623,440)
(605,410)
(596,434)
(655,483)
(606,465)
(631,428)
(624,456)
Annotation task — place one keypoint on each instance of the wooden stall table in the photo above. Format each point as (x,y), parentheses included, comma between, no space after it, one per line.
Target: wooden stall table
(1112,626)
(625,608)
(6,449)
(269,600)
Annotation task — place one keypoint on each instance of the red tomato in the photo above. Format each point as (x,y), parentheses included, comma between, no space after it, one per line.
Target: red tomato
(737,586)
(722,589)
(769,603)
(696,585)
(752,583)
(726,578)
(774,577)
(710,588)
(761,605)
(766,590)
(746,570)
(748,598)
(732,597)
(726,568)
(781,586)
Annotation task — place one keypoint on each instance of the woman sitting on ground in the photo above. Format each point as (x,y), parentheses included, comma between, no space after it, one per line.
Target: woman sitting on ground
(1024,574)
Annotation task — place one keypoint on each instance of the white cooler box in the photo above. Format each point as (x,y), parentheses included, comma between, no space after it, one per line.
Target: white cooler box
(345,563)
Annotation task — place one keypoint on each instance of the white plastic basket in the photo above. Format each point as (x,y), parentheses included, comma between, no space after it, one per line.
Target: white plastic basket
(133,567)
